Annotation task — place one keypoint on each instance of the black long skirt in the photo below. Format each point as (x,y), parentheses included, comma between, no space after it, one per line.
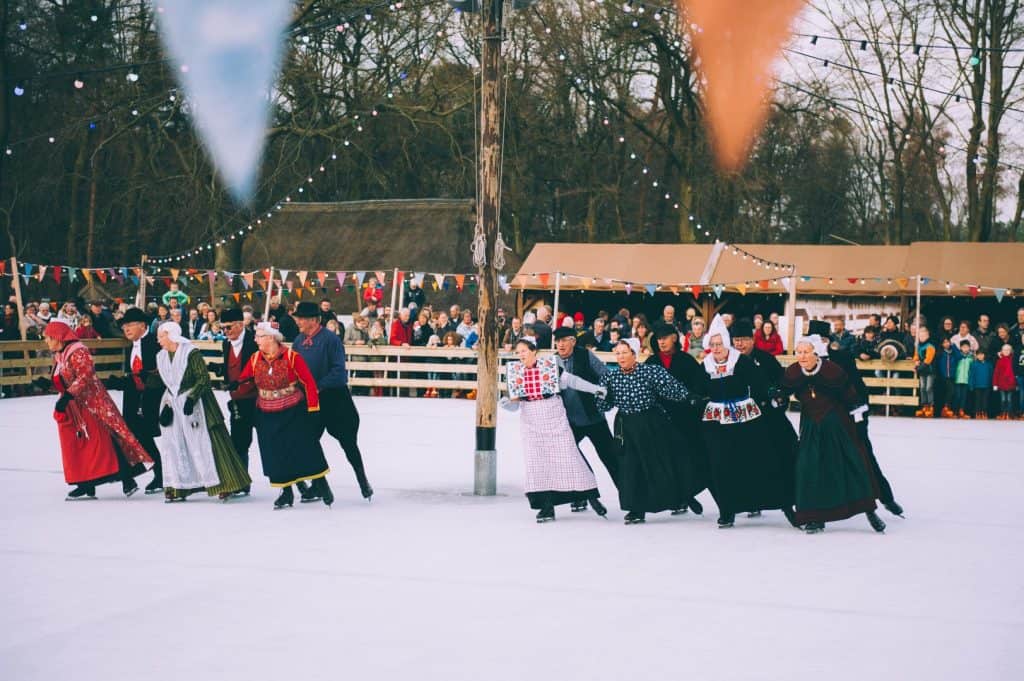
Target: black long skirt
(752,464)
(290,445)
(658,471)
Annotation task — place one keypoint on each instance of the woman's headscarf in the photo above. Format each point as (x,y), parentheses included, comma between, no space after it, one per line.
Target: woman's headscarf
(173,331)
(634,345)
(819,344)
(717,328)
(60,331)
(267,329)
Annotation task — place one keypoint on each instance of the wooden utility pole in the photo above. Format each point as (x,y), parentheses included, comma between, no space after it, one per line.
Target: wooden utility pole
(489,169)
(140,299)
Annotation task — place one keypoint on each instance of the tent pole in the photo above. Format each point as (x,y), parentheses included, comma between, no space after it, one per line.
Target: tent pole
(270,293)
(394,297)
(140,298)
(917,315)
(791,313)
(554,316)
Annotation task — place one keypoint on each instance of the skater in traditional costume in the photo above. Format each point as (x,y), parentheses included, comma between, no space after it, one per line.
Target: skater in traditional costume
(684,415)
(834,478)
(96,445)
(194,442)
(324,354)
(141,389)
(585,418)
(237,349)
(287,419)
(783,436)
(556,472)
(658,471)
(749,471)
(848,363)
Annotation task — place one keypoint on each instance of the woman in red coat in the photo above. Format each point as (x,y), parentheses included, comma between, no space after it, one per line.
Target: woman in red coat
(767,339)
(96,445)
(1004,382)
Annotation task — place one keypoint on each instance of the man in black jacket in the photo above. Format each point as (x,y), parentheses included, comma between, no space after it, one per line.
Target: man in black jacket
(849,364)
(237,349)
(585,419)
(142,389)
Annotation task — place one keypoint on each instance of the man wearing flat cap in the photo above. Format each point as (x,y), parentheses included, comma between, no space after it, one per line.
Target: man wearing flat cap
(585,419)
(324,354)
(141,389)
(237,349)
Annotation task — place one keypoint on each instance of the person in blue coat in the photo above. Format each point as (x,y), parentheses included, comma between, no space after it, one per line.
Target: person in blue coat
(979,382)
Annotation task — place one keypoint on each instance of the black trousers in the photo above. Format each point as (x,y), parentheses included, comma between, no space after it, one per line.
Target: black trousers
(608,449)
(141,430)
(340,418)
(243,425)
(884,488)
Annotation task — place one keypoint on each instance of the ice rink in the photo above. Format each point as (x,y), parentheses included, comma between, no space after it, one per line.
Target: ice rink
(429,582)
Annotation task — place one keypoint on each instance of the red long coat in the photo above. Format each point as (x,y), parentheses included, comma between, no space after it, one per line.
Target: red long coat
(92,421)
(1003,378)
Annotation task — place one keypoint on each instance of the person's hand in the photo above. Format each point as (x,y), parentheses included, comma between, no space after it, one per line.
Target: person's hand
(190,405)
(166,416)
(43,383)
(62,402)
(601,392)
(231,386)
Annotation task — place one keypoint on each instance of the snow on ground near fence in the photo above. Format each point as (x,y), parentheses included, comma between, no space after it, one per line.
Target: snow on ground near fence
(428,582)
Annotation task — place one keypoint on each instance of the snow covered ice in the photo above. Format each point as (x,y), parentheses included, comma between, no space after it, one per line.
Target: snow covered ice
(429,582)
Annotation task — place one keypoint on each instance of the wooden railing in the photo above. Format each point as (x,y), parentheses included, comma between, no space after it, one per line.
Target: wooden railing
(410,369)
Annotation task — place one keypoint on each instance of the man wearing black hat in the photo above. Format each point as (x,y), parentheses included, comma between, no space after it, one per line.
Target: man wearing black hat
(325,356)
(848,363)
(237,349)
(141,389)
(585,419)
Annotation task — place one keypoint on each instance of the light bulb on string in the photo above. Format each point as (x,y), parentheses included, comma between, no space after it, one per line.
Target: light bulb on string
(131,76)
(79,83)
(19,90)
(22,25)
(94,18)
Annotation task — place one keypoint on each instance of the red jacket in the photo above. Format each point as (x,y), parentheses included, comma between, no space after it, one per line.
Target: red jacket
(374,293)
(773,345)
(1003,378)
(400,333)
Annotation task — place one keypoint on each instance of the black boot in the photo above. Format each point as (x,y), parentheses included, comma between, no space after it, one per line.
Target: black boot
(129,487)
(546,514)
(635,517)
(726,520)
(791,517)
(155,485)
(285,500)
(814,528)
(876,523)
(308,493)
(81,493)
(325,491)
(893,507)
(578,506)
(754,514)
(695,506)
(599,508)
(364,485)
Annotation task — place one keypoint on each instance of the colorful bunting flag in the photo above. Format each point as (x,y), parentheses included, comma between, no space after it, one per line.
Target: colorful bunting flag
(696,290)
(973,290)
(902,282)
(302,275)
(1000,292)
(629,289)
(651,288)
(322,277)
(460,281)
(718,289)
(742,288)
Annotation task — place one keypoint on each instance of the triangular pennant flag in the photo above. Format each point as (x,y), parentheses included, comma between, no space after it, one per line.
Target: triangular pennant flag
(629,289)
(42,272)
(247,279)
(651,288)
(263,284)
(763,284)
(3,267)
(696,290)
(418,278)
(718,289)
(174,272)
(150,280)
(674,290)
(341,279)
(381,279)
(902,281)
(25,278)
(230,276)
(211,275)
(852,280)
(58,272)
(460,281)
(28,267)
(298,292)
(973,290)
(87,274)
(742,288)
(72,274)
(302,275)
(321,277)
(1000,292)
(544,279)
(237,297)
(359,277)
(284,274)
(785,282)
(135,280)
(924,281)
(737,41)
(228,53)
(102,274)
(805,278)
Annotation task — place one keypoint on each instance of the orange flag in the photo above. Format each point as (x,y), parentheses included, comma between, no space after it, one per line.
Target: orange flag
(102,274)
(322,277)
(742,289)
(237,297)
(737,41)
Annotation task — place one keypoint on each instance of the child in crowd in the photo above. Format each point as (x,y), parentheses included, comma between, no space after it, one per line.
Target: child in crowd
(980,383)
(963,376)
(1005,382)
(946,364)
(867,346)
(924,361)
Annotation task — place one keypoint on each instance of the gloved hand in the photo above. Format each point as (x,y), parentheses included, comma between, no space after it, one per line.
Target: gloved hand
(601,392)
(62,403)
(190,405)
(43,383)
(166,416)
(508,405)
(217,369)
(231,386)
(114,382)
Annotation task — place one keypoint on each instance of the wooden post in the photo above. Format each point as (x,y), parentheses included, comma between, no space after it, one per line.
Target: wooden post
(791,314)
(270,293)
(395,302)
(16,280)
(209,280)
(140,297)
(554,315)
(489,169)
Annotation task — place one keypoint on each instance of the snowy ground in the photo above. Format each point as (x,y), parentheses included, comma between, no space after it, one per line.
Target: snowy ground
(428,582)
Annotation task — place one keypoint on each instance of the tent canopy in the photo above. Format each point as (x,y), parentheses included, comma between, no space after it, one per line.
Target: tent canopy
(967,268)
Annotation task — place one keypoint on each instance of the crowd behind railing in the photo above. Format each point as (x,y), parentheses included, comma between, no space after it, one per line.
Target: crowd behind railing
(962,368)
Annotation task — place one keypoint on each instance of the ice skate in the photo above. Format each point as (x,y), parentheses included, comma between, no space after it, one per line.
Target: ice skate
(307,493)
(695,506)
(635,518)
(81,493)
(155,486)
(326,495)
(893,507)
(285,500)
(814,528)
(680,511)
(598,507)
(754,514)
(726,520)
(791,517)
(129,487)
(578,506)
(546,515)
(876,523)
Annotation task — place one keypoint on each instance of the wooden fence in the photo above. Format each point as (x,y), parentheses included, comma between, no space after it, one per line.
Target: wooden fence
(410,369)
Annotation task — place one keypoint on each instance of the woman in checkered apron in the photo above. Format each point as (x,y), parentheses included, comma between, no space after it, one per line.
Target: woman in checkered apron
(556,472)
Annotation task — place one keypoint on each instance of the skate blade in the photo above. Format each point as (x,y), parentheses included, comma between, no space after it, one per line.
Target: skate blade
(80,499)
